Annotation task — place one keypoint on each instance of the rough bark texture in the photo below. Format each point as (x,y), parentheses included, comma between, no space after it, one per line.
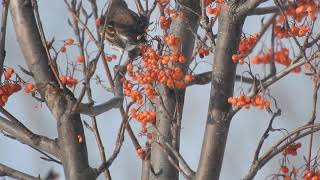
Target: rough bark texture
(59,101)
(223,78)
(170,105)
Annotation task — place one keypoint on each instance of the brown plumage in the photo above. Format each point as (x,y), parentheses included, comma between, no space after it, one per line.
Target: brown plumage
(125,29)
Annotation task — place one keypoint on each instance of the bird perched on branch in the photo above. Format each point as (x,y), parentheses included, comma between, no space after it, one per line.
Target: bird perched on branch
(124,28)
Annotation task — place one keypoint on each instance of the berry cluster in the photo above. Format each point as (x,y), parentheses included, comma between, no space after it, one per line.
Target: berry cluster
(165,22)
(291,149)
(171,13)
(281,57)
(67,42)
(172,41)
(246,101)
(143,117)
(245,47)
(247,43)
(311,175)
(296,13)
(154,69)
(69,81)
(7,90)
(214,10)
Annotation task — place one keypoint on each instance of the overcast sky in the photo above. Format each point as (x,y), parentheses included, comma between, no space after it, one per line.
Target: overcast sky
(293,94)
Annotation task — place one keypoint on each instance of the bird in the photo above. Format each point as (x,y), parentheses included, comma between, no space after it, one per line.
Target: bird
(124,29)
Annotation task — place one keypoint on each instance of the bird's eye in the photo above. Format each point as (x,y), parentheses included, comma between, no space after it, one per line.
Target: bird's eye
(110,29)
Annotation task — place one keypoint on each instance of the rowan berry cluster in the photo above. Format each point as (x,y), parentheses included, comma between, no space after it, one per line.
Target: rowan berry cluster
(301,31)
(247,43)
(172,41)
(67,42)
(306,175)
(143,117)
(245,47)
(154,69)
(214,10)
(286,173)
(311,175)
(297,12)
(69,81)
(281,57)
(171,13)
(291,149)
(165,22)
(246,101)
(6,90)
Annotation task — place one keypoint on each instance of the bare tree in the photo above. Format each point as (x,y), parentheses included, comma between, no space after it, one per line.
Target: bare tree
(149,86)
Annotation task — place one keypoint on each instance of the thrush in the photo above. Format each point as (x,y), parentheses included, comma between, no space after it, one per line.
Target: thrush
(124,28)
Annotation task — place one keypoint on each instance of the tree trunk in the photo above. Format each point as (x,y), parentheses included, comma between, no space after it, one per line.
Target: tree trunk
(169,105)
(59,101)
(222,85)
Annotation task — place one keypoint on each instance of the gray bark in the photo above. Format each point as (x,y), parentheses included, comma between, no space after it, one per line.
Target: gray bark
(172,100)
(223,79)
(59,101)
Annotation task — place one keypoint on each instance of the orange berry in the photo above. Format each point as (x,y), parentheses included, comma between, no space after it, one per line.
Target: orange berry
(140,152)
(63,49)
(284,169)
(188,78)
(108,58)
(80,59)
(267,104)
(182,59)
(69,41)
(98,22)
(235,57)
(30,86)
(63,79)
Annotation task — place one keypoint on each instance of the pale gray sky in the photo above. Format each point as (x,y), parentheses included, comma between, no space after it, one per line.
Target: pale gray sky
(293,94)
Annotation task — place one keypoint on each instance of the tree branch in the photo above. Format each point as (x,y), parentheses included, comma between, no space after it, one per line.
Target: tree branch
(25,136)
(205,78)
(10,172)
(279,147)
(264,10)
(60,102)
(5,7)
(248,6)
